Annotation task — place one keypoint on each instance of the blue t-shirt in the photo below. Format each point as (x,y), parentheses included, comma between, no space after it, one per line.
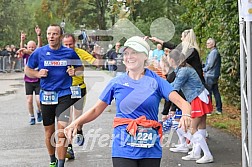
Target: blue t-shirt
(135,98)
(56,62)
(158,53)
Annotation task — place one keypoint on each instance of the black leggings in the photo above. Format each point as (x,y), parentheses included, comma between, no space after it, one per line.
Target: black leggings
(145,162)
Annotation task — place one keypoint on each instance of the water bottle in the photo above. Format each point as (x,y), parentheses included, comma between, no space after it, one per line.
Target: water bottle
(79,139)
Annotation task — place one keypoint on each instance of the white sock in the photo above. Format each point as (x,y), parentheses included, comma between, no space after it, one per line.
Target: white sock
(196,147)
(203,132)
(181,137)
(199,139)
(188,135)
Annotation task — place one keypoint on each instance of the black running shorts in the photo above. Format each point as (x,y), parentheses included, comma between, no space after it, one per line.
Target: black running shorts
(61,111)
(31,87)
(78,102)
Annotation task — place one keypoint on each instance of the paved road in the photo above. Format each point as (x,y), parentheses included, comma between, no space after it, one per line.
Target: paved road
(23,145)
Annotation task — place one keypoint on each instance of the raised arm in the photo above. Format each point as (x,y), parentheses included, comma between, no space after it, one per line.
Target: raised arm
(155,39)
(38,32)
(22,39)
(164,44)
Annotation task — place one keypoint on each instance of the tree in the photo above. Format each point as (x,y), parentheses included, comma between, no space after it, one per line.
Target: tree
(218,19)
(13,19)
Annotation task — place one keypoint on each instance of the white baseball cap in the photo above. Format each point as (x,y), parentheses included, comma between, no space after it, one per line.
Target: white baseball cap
(138,44)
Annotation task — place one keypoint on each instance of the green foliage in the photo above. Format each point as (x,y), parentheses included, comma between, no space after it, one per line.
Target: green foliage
(12,17)
(24,15)
(218,19)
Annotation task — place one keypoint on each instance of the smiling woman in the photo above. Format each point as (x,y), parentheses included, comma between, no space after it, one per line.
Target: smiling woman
(137,95)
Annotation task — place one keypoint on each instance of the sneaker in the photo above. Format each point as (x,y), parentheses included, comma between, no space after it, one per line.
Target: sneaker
(32,121)
(191,157)
(39,117)
(205,159)
(218,113)
(70,153)
(54,164)
(178,145)
(79,139)
(181,149)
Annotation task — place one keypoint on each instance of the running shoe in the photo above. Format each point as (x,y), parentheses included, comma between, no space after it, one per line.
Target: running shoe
(70,153)
(32,121)
(79,139)
(54,164)
(191,157)
(181,149)
(39,117)
(205,159)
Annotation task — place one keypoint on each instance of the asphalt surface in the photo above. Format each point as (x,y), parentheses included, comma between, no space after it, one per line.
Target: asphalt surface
(22,145)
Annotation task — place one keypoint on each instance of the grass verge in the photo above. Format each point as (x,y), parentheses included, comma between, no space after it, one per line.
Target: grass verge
(229,121)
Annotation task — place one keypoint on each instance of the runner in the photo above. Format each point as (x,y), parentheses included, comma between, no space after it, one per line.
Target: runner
(31,84)
(137,94)
(78,85)
(56,66)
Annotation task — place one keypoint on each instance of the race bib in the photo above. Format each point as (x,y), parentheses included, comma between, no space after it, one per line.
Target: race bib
(76,92)
(48,97)
(145,138)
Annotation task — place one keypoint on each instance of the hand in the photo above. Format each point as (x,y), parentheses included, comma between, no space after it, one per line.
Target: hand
(70,71)
(154,39)
(20,52)
(145,38)
(185,123)
(38,30)
(42,73)
(22,36)
(70,132)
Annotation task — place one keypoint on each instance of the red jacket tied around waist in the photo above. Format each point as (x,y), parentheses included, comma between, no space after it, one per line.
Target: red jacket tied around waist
(142,121)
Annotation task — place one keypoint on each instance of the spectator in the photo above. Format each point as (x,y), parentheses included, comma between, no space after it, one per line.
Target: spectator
(121,68)
(13,58)
(97,53)
(157,55)
(112,55)
(197,95)
(212,73)
(188,39)
(1,60)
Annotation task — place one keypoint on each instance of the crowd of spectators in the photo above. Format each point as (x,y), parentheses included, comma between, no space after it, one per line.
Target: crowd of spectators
(9,60)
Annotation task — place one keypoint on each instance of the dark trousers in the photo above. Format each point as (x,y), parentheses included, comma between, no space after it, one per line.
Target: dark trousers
(214,89)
